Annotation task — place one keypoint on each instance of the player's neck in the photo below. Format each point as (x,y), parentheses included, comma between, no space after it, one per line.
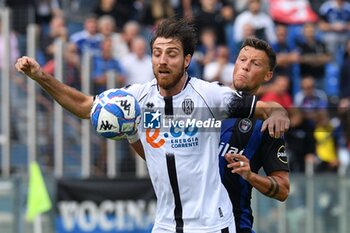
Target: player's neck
(176,89)
(253,91)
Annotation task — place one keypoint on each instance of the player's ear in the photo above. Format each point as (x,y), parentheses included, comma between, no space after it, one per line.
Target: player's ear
(187,60)
(268,76)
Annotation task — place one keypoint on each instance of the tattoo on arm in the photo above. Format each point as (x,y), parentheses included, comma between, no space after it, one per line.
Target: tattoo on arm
(277,187)
(271,186)
(274,187)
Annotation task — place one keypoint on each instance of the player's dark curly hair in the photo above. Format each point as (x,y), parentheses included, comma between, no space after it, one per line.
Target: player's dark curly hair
(264,46)
(180,29)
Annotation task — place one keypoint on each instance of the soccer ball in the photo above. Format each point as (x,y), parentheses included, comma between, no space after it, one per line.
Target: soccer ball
(115,114)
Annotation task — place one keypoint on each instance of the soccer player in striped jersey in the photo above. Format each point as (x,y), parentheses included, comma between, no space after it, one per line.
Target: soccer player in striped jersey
(181,155)
(244,149)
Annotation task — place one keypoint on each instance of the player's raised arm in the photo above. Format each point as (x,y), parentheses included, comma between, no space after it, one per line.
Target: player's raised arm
(276,117)
(71,99)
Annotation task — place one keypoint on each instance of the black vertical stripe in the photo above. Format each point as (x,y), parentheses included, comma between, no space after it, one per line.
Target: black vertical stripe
(225,230)
(169,110)
(170,159)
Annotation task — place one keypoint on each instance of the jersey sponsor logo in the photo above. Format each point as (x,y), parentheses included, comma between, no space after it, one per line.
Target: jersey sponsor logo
(187,106)
(225,148)
(153,138)
(180,137)
(282,155)
(244,125)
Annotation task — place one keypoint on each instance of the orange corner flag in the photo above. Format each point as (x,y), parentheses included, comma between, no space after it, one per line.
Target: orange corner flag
(38,200)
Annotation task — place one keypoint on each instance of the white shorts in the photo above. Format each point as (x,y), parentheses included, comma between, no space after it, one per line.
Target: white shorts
(229,229)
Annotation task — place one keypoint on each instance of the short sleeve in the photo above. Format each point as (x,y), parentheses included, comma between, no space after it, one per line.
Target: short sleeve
(227,103)
(241,105)
(274,154)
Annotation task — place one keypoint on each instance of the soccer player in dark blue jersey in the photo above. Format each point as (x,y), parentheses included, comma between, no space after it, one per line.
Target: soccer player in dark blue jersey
(244,149)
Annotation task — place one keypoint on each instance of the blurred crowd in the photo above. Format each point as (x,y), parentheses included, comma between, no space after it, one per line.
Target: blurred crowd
(311,80)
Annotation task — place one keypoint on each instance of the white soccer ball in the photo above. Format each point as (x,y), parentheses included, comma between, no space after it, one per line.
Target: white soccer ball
(115,114)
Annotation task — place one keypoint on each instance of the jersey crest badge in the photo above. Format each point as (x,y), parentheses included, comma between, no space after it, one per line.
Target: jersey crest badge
(187,106)
(244,125)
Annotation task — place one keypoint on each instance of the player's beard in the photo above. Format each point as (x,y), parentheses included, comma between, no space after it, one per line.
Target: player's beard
(173,78)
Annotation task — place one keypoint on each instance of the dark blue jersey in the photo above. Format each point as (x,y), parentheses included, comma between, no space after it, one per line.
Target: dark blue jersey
(243,136)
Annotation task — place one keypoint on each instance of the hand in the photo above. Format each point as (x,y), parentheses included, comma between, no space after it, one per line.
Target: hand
(28,66)
(133,137)
(239,164)
(277,124)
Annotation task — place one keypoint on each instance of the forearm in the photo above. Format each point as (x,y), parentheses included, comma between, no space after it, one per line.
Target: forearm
(272,186)
(276,185)
(264,110)
(137,146)
(71,99)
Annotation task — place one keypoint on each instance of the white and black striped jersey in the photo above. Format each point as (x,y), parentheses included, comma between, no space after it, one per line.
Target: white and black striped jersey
(180,135)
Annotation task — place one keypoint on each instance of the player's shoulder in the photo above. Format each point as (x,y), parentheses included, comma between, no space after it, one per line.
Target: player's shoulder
(271,140)
(141,89)
(208,86)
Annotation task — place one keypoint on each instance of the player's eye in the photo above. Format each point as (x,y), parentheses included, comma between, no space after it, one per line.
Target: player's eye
(156,53)
(172,54)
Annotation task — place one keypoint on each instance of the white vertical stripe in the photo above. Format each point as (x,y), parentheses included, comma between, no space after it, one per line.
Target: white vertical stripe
(85,126)
(252,107)
(5,94)
(58,111)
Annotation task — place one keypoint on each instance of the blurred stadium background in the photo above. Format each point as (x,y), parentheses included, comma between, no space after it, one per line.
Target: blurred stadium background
(100,186)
